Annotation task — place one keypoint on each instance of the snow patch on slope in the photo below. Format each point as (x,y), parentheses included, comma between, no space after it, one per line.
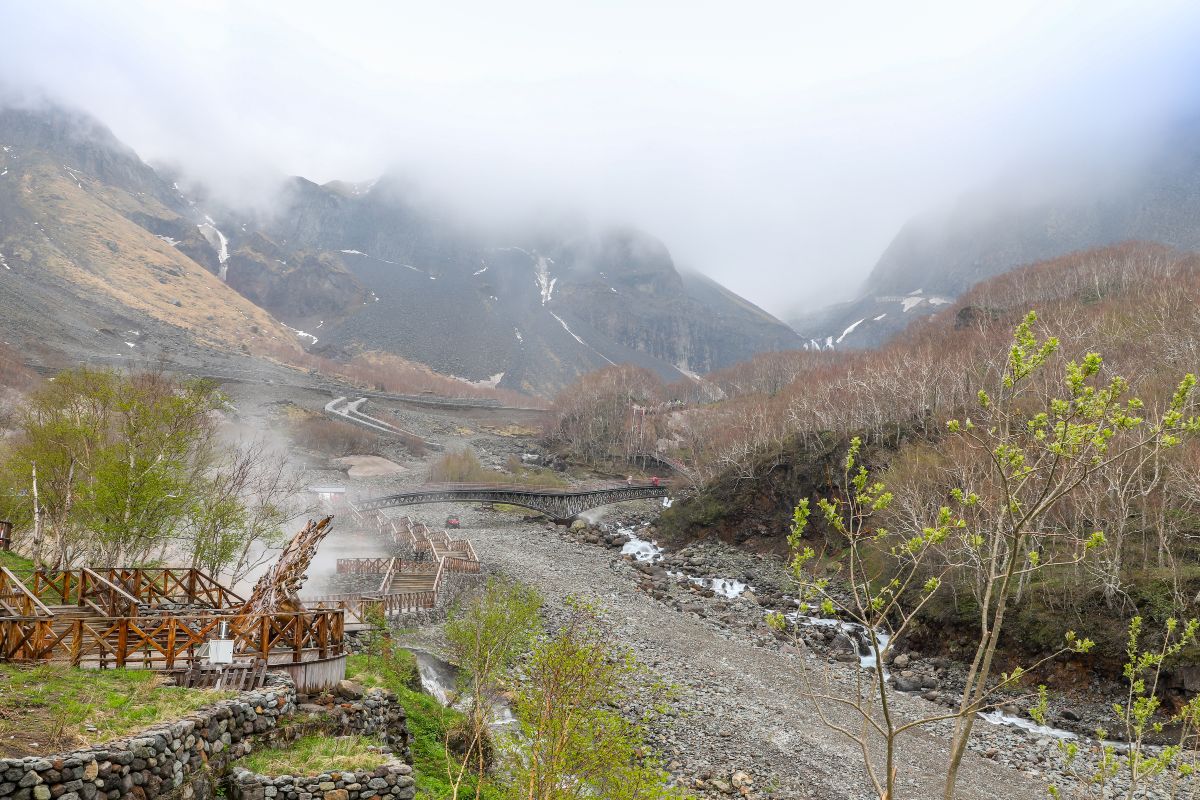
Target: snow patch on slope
(543,280)
(849,330)
(581,341)
(217,240)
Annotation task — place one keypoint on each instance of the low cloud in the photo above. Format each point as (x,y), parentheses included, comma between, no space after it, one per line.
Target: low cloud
(776,147)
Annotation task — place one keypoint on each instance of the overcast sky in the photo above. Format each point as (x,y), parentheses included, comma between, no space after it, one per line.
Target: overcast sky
(776,146)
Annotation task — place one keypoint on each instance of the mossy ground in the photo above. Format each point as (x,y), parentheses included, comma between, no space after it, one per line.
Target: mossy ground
(48,708)
(18,564)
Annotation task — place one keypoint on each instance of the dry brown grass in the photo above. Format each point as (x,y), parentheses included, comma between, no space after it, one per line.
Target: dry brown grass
(90,243)
(334,438)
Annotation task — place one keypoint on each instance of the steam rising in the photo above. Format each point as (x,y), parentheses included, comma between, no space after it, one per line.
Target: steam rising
(776,147)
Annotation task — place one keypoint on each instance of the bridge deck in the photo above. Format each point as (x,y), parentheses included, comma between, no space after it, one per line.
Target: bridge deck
(561,504)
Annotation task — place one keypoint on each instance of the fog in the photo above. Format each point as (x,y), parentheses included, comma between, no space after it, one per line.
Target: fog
(776,147)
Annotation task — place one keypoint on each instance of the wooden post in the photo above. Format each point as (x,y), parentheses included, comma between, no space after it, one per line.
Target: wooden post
(5,535)
(122,640)
(171,641)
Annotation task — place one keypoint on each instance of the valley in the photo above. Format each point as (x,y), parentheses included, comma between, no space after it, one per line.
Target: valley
(599,403)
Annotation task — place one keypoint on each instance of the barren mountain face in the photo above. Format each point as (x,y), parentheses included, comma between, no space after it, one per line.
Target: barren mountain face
(351,269)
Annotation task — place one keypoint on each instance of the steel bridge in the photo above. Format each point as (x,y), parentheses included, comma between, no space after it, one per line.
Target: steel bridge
(558,504)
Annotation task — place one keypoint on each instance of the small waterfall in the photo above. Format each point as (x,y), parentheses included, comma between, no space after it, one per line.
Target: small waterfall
(440,679)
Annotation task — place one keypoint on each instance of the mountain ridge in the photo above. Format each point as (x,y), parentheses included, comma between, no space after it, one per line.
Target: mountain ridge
(346,268)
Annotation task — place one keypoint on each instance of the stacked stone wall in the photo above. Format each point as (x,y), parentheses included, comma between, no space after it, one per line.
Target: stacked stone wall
(171,760)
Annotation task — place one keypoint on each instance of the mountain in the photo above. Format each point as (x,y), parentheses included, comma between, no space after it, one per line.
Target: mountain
(95,239)
(1153,196)
(101,257)
(528,309)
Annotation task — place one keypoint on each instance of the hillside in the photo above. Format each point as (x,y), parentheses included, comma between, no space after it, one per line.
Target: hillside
(939,255)
(530,309)
(94,251)
(1135,304)
(124,264)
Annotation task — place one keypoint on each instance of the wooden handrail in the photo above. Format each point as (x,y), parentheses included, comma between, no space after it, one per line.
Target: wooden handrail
(114,593)
(31,606)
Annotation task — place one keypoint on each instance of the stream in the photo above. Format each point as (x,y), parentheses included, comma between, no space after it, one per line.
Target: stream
(649,551)
(440,679)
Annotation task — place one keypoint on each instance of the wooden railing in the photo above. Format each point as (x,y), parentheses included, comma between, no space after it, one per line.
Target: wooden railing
(117,590)
(374,566)
(456,564)
(357,606)
(386,584)
(407,602)
(171,641)
(170,585)
(388,603)
(18,601)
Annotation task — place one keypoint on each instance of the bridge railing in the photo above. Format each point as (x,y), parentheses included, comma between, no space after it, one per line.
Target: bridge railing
(545,490)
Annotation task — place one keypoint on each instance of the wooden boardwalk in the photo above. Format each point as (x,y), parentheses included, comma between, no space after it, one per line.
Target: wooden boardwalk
(406,585)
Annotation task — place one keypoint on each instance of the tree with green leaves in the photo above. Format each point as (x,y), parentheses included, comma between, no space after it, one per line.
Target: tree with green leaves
(132,468)
(574,741)
(1137,718)
(1031,443)
(489,633)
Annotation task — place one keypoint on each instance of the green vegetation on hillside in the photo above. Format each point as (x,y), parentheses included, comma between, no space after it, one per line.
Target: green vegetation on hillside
(49,708)
(429,723)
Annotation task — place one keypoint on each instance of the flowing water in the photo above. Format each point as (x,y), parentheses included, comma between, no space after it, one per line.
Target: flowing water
(440,679)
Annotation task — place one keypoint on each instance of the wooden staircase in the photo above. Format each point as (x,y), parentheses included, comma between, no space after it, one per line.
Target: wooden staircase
(403,582)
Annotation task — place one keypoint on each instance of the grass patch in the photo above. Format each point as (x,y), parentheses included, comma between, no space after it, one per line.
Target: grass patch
(49,708)
(17,563)
(428,722)
(312,755)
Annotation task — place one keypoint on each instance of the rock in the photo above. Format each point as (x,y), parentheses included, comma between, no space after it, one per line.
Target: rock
(901,661)
(842,642)
(721,786)
(1070,715)
(741,779)
(350,690)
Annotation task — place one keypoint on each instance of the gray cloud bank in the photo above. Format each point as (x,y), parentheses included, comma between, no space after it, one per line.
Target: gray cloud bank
(776,147)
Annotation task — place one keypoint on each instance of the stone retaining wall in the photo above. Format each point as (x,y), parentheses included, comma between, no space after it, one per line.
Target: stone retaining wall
(392,781)
(175,759)
(374,712)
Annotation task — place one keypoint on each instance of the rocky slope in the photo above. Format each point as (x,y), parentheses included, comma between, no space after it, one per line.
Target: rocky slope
(95,240)
(94,249)
(1153,197)
(528,308)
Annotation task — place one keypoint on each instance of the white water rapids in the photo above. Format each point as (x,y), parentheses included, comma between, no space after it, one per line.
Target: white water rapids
(440,679)
(643,550)
(649,551)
